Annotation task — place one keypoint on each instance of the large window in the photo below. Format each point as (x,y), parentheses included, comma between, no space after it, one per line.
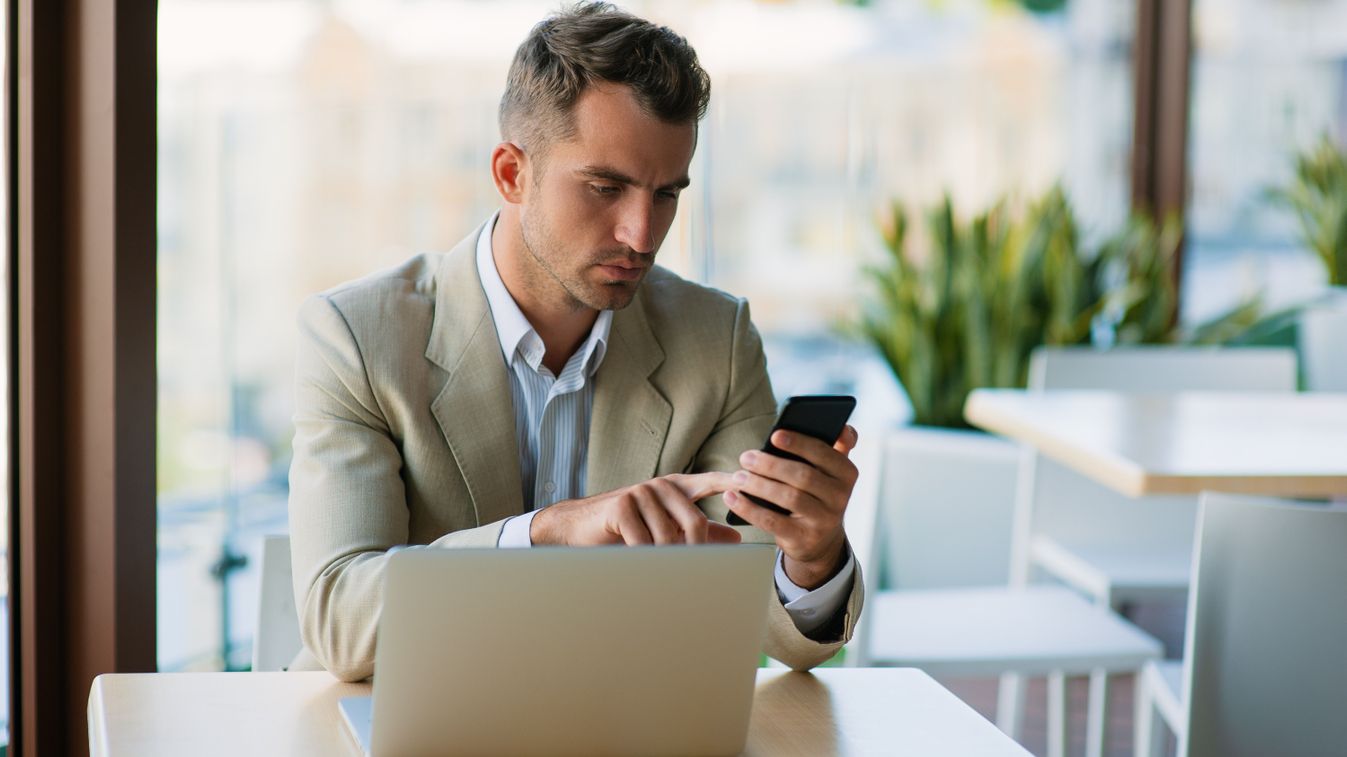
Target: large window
(824,114)
(303,143)
(1269,78)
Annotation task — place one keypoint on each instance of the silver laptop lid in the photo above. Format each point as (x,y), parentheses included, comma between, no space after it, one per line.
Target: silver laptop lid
(608,650)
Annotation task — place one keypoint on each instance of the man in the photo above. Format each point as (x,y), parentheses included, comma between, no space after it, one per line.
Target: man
(544,383)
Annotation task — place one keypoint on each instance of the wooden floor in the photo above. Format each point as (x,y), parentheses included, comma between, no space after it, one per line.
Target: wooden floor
(1164,621)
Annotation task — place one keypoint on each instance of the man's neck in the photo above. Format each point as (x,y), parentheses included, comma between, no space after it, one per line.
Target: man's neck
(561,322)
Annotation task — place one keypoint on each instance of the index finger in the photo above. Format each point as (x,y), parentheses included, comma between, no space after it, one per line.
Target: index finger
(697,486)
(847,441)
(821,455)
(691,520)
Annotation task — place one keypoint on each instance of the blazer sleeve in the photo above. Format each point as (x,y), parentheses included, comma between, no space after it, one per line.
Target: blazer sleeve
(745,420)
(347,502)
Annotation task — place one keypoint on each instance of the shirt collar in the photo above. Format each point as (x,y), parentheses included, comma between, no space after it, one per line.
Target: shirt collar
(512,327)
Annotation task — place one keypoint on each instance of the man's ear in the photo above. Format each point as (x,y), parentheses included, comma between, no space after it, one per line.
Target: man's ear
(510,169)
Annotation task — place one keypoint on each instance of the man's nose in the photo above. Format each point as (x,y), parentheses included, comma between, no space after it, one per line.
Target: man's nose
(635,225)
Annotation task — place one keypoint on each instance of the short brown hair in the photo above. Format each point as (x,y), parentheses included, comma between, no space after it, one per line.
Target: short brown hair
(596,42)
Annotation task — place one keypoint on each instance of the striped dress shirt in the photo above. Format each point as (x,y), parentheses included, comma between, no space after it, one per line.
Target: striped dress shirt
(551,413)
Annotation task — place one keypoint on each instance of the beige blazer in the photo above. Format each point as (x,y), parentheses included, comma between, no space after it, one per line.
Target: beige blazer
(404,432)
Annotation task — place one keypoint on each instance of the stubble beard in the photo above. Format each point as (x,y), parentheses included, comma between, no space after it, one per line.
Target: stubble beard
(611,296)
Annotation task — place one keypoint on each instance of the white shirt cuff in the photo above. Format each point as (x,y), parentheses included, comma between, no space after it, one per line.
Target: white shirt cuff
(515,532)
(811,610)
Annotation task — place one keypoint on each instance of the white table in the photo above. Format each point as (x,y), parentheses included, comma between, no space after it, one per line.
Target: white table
(1274,444)
(836,711)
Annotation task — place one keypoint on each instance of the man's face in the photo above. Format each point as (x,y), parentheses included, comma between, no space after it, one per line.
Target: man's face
(598,212)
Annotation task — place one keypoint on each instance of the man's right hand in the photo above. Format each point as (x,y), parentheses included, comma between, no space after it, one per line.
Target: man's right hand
(659,511)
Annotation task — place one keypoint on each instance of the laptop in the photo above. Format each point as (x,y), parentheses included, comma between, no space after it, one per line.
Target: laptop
(555,651)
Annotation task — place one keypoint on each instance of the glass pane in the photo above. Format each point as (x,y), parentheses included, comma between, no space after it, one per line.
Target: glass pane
(824,114)
(301,144)
(896,102)
(304,143)
(1269,79)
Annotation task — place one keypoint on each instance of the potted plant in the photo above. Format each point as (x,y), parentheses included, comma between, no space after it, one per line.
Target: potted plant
(1317,194)
(969,312)
(965,310)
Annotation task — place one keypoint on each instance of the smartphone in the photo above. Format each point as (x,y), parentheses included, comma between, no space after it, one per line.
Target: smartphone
(822,416)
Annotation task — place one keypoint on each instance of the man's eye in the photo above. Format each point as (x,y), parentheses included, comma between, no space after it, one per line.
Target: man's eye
(604,189)
(667,195)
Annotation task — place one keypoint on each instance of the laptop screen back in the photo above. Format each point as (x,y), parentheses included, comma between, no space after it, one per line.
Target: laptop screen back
(621,650)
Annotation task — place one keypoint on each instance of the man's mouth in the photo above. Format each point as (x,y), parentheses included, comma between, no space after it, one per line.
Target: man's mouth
(622,272)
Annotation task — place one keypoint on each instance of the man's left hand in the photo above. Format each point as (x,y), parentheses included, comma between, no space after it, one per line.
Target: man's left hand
(816,494)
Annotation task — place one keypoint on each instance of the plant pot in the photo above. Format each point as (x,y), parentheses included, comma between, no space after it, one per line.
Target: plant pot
(946,507)
(1323,343)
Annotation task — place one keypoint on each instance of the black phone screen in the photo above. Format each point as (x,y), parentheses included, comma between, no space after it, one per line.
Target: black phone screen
(822,416)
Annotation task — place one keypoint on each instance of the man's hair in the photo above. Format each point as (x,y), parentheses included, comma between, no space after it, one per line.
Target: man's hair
(595,42)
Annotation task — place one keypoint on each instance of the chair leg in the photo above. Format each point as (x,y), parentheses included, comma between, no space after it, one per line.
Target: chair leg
(1096,719)
(1010,705)
(1096,716)
(1145,736)
(1056,714)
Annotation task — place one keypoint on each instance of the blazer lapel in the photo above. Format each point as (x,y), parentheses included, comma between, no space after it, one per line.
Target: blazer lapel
(474,409)
(630,417)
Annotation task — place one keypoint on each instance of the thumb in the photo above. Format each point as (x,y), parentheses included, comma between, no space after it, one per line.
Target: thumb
(719,533)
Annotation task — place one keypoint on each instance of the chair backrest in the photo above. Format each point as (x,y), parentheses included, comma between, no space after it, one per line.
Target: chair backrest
(946,504)
(1266,670)
(936,513)
(276,640)
(1164,369)
(862,512)
(1072,508)
(1322,336)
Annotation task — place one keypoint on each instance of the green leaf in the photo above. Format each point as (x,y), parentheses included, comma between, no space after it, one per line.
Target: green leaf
(1317,196)
(968,310)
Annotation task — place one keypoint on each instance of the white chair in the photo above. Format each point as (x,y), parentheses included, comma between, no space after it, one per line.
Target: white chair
(1265,671)
(942,482)
(276,640)
(1320,338)
(988,630)
(1113,548)
(1116,548)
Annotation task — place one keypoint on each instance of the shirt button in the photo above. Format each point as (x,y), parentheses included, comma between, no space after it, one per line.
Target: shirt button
(549,487)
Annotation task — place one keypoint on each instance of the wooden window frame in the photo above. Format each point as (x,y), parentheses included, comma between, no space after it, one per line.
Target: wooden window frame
(81,98)
(1162,52)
